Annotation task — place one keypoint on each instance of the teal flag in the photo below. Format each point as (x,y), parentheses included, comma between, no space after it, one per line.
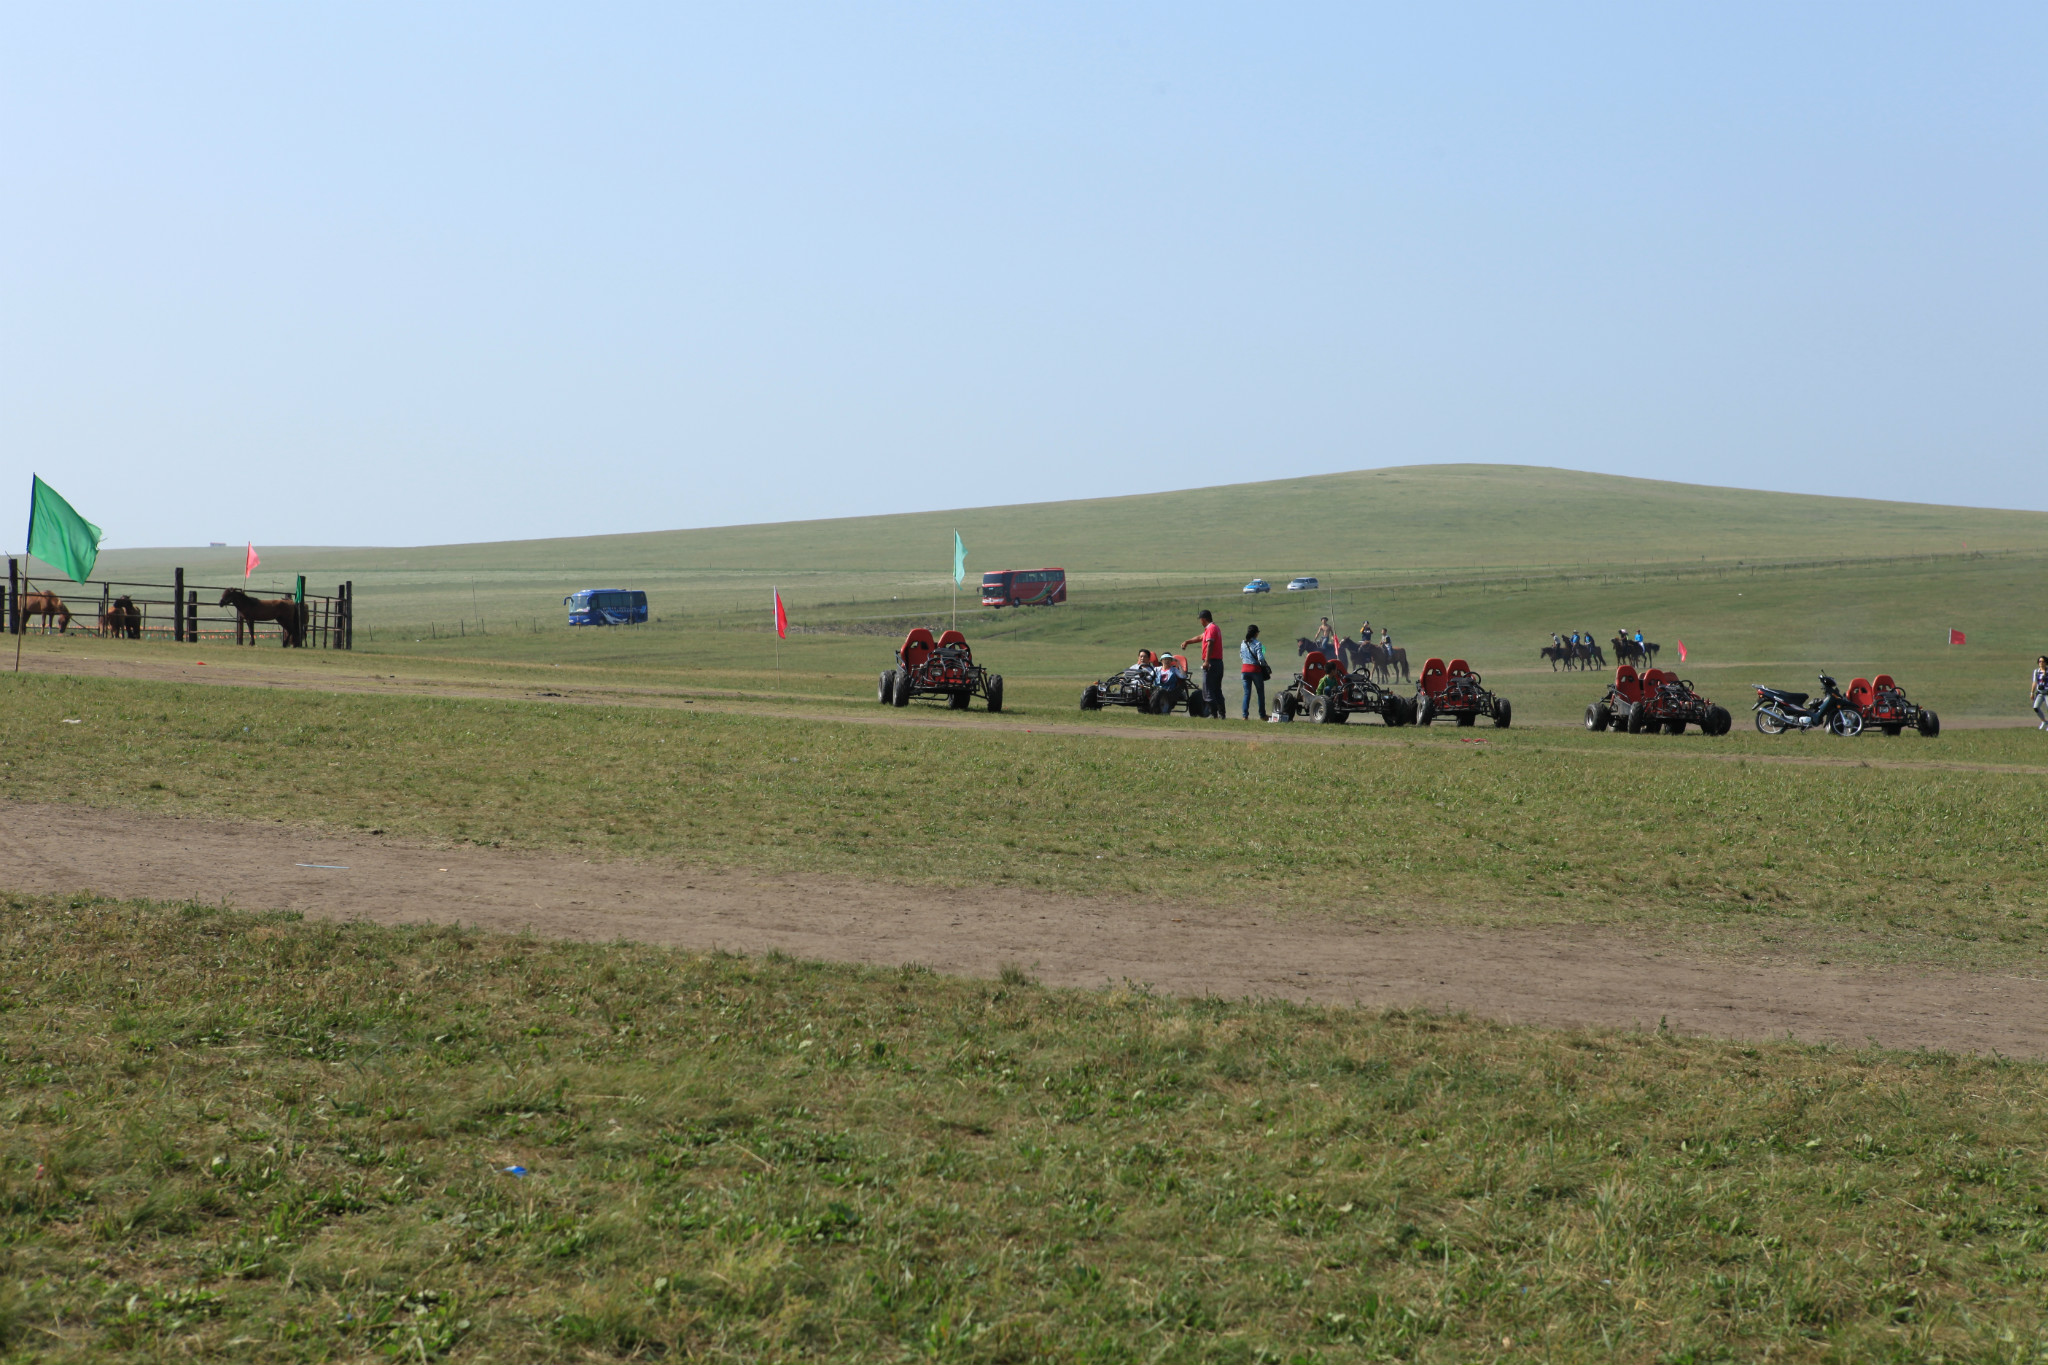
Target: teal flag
(58,536)
(959,560)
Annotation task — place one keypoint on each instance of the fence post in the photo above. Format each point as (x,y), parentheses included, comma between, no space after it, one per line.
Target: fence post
(348,614)
(177,606)
(12,606)
(192,616)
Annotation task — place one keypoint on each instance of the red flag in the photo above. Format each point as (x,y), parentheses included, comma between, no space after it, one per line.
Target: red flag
(1955,637)
(1681,651)
(250,567)
(781,616)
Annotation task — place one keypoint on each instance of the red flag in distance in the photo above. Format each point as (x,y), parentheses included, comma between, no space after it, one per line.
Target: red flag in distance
(781,616)
(249,566)
(1955,637)
(1681,651)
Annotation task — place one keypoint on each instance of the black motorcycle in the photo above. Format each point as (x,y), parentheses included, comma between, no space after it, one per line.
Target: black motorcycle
(1777,712)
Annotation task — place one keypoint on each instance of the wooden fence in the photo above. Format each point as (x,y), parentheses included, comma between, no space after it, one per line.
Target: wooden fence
(187,613)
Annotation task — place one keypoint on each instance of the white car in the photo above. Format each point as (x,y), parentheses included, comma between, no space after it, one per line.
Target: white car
(1303,585)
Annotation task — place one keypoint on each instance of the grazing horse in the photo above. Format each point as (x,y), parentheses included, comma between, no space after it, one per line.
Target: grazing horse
(121,619)
(289,615)
(45,604)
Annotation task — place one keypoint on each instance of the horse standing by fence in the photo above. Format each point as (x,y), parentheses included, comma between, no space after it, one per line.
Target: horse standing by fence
(290,616)
(121,619)
(45,604)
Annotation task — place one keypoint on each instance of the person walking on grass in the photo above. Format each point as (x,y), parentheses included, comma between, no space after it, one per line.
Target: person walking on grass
(1211,641)
(1251,657)
(2040,701)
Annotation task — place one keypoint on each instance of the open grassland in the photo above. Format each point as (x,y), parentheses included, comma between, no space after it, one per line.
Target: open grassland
(240,1136)
(1843,861)
(1371,525)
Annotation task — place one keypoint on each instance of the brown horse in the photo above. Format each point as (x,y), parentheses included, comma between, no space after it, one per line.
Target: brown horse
(120,619)
(45,604)
(289,615)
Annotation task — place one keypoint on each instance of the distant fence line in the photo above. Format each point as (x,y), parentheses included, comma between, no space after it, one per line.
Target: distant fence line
(185,613)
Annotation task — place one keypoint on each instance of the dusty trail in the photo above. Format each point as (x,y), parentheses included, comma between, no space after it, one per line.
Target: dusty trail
(1547,977)
(348,676)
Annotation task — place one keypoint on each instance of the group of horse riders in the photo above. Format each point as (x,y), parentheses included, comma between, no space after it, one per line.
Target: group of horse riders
(1326,637)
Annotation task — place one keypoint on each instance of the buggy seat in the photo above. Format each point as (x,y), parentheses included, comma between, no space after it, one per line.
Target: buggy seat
(1313,668)
(917,648)
(1861,695)
(1628,684)
(1434,678)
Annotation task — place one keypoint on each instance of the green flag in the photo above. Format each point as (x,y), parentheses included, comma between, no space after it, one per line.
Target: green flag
(59,536)
(959,559)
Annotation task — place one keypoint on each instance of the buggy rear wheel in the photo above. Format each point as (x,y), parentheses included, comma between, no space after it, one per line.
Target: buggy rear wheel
(1719,722)
(885,686)
(1930,724)
(1638,718)
(1596,717)
(1503,713)
(1675,726)
(995,692)
(1393,712)
(1425,711)
(1891,731)
(1091,698)
(1467,719)
(1332,713)
(958,701)
(1288,705)
(900,694)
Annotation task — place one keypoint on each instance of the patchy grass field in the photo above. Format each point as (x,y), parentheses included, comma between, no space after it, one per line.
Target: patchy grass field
(1556,827)
(240,1136)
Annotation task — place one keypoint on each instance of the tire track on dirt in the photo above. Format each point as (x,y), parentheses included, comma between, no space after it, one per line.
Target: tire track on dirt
(1559,978)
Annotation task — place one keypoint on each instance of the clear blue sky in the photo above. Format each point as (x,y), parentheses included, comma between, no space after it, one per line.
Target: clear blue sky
(410,273)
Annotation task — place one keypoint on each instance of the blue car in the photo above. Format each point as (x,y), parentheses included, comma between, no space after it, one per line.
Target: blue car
(1303,585)
(1258,585)
(607,607)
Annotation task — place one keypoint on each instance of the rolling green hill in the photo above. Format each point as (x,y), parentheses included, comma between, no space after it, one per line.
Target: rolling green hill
(1431,520)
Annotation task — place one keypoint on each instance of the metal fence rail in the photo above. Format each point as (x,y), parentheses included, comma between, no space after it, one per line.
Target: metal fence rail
(185,613)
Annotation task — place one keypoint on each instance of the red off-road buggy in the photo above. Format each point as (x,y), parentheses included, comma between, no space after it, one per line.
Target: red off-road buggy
(1655,699)
(1885,705)
(1455,690)
(1348,692)
(943,667)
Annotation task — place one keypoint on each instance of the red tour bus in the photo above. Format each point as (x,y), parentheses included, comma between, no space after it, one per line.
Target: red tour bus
(1023,587)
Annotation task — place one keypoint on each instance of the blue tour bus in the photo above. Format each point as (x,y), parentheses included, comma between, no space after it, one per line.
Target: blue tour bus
(607,607)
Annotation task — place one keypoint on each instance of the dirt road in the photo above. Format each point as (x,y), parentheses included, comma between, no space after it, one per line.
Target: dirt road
(1578,977)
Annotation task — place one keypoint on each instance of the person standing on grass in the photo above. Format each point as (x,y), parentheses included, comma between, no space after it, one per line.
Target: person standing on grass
(2040,702)
(1251,656)
(1211,641)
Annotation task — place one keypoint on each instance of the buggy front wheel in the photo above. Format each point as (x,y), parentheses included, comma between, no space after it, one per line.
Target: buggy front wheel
(1929,724)
(995,692)
(958,701)
(1091,698)
(1596,717)
(1503,713)
(885,686)
(1719,722)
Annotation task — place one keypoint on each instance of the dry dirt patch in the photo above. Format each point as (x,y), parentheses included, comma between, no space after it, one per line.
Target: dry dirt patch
(1548,977)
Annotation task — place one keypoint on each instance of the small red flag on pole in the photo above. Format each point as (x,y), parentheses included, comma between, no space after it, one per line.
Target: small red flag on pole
(249,566)
(1681,651)
(781,617)
(1955,637)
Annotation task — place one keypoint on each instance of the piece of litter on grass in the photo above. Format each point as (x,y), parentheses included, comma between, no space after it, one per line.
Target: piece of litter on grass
(68,720)
(513,1170)
(338,867)
(444,869)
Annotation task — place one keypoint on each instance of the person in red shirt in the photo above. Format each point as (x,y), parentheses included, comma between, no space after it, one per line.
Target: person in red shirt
(1211,641)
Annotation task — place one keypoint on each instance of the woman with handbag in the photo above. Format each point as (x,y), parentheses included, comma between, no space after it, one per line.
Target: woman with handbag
(1252,661)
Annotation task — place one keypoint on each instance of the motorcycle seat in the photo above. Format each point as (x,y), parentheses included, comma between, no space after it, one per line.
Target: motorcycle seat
(1789,698)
